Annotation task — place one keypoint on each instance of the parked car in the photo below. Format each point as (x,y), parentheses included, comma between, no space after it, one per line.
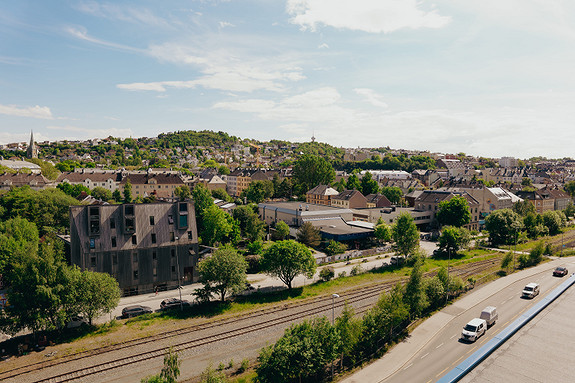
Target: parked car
(531,290)
(396,260)
(76,321)
(474,329)
(490,315)
(560,271)
(171,303)
(135,310)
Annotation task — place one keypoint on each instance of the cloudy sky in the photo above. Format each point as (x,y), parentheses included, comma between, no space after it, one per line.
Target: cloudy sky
(490,77)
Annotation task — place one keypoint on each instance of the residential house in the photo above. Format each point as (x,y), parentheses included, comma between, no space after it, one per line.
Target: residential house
(429,200)
(541,199)
(349,199)
(320,195)
(92,178)
(377,200)
(35,181)
(161,185)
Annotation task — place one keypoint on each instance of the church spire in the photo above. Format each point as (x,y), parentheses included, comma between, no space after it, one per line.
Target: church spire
(32,150)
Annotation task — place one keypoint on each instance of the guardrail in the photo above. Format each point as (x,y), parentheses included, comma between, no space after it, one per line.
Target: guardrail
(478,356)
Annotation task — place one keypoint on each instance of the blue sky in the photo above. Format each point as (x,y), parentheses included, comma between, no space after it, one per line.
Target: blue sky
(490,77)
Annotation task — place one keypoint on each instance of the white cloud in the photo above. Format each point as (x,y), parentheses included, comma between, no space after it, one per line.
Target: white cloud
(225,24)
(122,13)
(81,33)
(371,96)
(85,133)
(373,16)
(323,46)
(41,112)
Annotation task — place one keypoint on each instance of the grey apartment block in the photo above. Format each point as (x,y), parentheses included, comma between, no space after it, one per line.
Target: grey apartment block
(144,246)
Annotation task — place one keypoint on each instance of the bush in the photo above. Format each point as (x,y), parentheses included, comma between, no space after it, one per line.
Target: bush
(356,270)
(523,261)
(213,376)
(327,273)
(343,274)
(244,366)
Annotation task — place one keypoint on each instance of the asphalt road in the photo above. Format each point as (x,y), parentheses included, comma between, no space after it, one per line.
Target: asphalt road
(446,350)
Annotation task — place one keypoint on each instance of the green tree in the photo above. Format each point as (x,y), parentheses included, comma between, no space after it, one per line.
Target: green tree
(308,235)
(218,227)
(525,181)
(452,239)
(117,195)
(405,235)
(523,208)
(170,371)
(353,182)
(259,191)
(182,192)
(569,210)
(287,259)
(98,294)
(454,212)
(221,194)
(101,193)
(18,240)
(302,352)
(202,201)
(335,247)
(224,272)
(48,170)
(414,294)
(310,171)
(368,184)
(393,194)
(569,187)
(281,230)
(506,261)
(251,226)
(128,192)
(327,273)
(533,224)
(434,291)
(383,232)
(349,329)
(503,226)
(554,220)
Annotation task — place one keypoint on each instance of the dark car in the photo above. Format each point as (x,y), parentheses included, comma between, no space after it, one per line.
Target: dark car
(560,272)
(173,303)
(135,310)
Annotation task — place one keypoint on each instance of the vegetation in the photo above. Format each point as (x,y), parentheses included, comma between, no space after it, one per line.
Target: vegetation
(170,371)
(287,259)
(223,273)
(308,235)
(454,212)
(310,171)
(405,235)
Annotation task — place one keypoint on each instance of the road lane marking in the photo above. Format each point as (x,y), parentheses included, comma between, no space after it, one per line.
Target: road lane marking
(439,345)
(454,335)
(441,373)
(424,355)
(406,367)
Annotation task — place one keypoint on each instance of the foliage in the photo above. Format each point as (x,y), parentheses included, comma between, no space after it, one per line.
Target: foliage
(536,254)
(503,226)
(435,292)
(221,193)
(335,247)
(454,212)
(368,184)
(507,261)
(327,273)
(202,201)
(349,329)
(356,270)
(353,182)
(393,194)
(72,190)
(218,227)
(308,235)
(405,234)
(287,259)
(170,370)
(224,272)
(127,192)
(383,232)
(101,193)
(311,170)
(259,191)
(301,353)
(97,294)
(554,220)
(251,226)
(569,187)
(534,227)
(523,208)
(117,195)
(281,231)
(48,170)
(452,239)
(182,192)
(18,240)
(211,375)
(414,294)
(255,247)
(569,210)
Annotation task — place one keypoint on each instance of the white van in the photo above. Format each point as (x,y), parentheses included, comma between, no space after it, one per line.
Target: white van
(531,290)
(474,329)
(490,315)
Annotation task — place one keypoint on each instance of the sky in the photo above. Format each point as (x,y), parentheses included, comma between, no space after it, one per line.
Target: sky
(488,78)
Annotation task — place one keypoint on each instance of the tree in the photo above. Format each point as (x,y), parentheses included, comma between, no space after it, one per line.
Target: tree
(503,226)
(454,212)
(525,181)
(382,232)
(101,193)
(523,208)
(349,329)
(302,352)
(224,272)
(393,194)
(287,259)
(117,195)
(259,191)
(170,371)
(335,247)
(506,261)
(414,294)
(202,201)
(98,293)
(452,239)
(435,292)
(310,171)
(251,225)
(368,184)
(221,193)
(554,220)
(327,273)
(308,235)
(182,192)
(218,227)
(18,240)
(73,190)
(128,192)
(569,210)
(353,182)
(570,188)
(281,231)
(405,234)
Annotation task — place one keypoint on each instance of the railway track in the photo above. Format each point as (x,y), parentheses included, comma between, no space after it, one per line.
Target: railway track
(307,309)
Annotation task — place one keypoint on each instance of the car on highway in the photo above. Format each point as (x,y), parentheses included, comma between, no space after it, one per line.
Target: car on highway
(135,310)
(531,290)
(474,329)
(171,303)
(560,271)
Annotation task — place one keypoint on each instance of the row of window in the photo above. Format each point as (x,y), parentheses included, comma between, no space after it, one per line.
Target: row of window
(153,238)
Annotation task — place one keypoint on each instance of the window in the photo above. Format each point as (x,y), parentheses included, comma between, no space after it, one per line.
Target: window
(152,220)
(114,243)
(134,240)
(112,223)
(170,219)
(128,209)
(130,225)
(135,258)
(135,274)
(173,269)
(114,259)
(92,261)
(172,236)
(153,237)
(190,235)
(92,243)
(173,252)
(154,255)
(183,207)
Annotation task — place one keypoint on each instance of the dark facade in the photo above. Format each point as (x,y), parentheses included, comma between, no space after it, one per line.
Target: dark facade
(144,246)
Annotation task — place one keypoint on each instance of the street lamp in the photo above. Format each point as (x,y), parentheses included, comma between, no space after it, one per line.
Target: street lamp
(179,281)
(448,259)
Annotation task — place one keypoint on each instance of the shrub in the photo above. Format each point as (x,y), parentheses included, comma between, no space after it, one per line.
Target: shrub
(356,270)
(244,366)
(327,273)
(343,274)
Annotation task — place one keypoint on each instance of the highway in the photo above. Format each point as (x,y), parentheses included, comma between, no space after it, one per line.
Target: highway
(445,350)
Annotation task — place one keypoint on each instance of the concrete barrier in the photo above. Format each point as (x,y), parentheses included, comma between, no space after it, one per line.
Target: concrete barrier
(478,356)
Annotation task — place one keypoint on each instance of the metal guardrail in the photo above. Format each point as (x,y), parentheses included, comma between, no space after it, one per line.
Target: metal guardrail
(478,356)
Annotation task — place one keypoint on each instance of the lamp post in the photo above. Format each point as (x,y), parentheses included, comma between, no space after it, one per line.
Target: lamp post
(179,281)
(333,296)
(448,259)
